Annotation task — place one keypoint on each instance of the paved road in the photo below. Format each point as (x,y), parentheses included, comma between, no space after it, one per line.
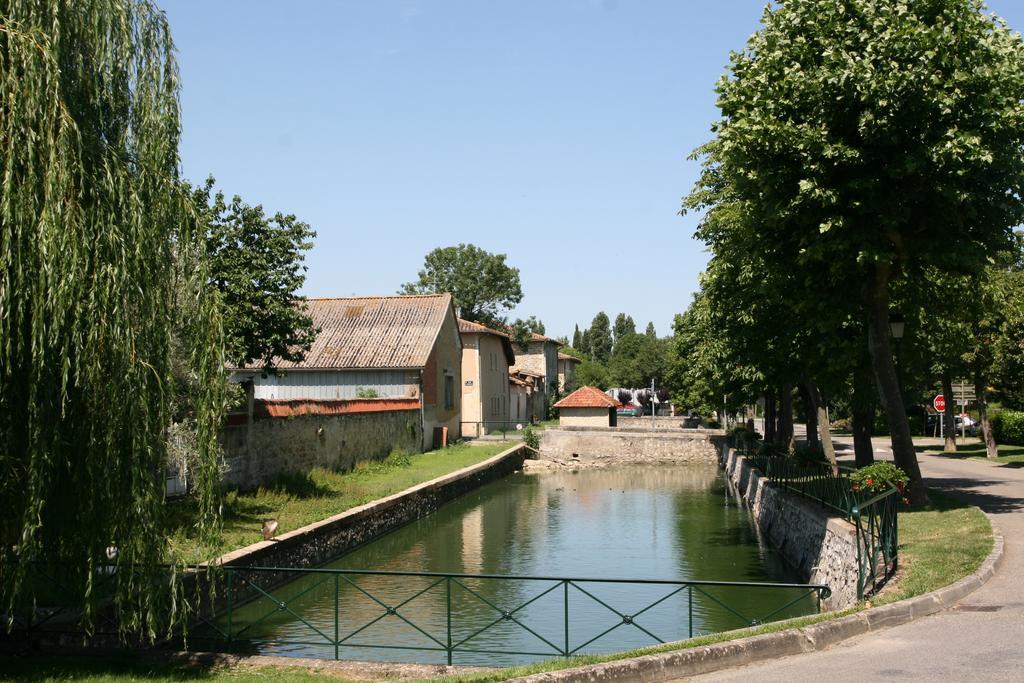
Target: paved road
(981,639)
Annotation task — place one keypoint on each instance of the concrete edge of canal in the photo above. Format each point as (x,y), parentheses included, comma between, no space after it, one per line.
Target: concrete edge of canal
(742,651)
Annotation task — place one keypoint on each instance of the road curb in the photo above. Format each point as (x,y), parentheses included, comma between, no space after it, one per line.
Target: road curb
(708,658)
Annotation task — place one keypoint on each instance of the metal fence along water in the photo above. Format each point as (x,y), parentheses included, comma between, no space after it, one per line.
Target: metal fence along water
(875,517)
(340,612)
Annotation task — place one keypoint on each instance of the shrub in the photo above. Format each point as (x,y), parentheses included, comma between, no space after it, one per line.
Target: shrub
(365,392)
(531,438)
(878,477)
(808,456)
(1008,427)
(741,437)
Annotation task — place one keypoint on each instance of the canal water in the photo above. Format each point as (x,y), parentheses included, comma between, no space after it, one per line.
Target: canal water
(640,522)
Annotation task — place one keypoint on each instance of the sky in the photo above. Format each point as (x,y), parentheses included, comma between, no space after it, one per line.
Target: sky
(556,132)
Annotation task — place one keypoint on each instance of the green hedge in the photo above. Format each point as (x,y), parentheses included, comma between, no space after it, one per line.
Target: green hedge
(1008,427)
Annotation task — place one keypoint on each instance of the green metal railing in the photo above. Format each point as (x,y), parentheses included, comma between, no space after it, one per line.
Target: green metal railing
(461,610)
(875,518)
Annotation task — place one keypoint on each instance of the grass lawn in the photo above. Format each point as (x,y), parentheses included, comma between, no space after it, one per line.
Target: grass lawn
(939,545)
(298,500)
(974,449)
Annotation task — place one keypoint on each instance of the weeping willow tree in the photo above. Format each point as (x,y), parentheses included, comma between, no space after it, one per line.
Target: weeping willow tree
(100,269)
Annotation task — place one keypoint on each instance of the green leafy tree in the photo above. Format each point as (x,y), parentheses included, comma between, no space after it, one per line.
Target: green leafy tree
(589,373)
(482,285)
(624,326)
(815,111)
(101,259)
(599,338)
(523,331)
(577,338)
(650,331)
(256,263)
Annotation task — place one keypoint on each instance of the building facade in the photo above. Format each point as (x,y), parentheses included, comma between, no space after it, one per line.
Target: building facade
(486,392)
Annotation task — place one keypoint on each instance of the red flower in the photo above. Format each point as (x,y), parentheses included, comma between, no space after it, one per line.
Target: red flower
(870,482)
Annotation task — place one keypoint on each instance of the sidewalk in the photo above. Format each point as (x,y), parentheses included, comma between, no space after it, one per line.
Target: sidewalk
(981,639)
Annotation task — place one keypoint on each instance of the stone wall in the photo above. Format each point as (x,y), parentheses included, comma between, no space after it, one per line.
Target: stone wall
(610,444)
(821,547)
(297,444)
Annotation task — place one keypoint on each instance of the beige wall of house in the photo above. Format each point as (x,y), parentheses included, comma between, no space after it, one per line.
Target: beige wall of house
(584,417)
(442,377)
(471,408)
(519,410)
(485,387)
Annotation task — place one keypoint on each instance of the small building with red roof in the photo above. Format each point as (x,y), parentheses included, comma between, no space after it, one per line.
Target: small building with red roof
(587,407)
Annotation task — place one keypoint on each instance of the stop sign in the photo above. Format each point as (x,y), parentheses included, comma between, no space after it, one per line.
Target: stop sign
(939,403)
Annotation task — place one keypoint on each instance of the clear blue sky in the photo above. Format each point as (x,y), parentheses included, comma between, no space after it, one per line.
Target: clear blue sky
(556,132)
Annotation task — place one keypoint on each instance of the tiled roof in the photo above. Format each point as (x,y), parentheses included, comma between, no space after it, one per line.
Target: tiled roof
(587,397)
(541,338)
(469,327)
(373,331)
(565,356)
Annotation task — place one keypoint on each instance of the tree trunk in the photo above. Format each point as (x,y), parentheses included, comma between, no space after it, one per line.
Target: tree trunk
(863,409)
(785,434)
(889,386)
(813,442)
(819,407)
(991,449)
(769,416)
(948,420)
(863,449)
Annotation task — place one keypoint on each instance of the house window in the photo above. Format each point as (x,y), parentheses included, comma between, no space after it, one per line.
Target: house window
(495,407)
(449,392)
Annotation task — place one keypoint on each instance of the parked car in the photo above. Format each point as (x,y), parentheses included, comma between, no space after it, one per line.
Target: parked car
(967,424)
(628,410)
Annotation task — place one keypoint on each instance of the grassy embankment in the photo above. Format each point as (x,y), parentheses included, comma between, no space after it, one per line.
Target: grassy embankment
(297,500)
(974,449)
(939,545)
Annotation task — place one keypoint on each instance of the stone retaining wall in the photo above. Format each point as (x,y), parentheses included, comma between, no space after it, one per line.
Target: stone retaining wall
(588,445)
(821,547)
(256,453)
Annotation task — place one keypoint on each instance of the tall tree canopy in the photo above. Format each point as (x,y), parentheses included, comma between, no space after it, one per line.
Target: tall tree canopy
(482,285)
(866,142)
(599,338)
(256,262)
(98,243)
(624,326)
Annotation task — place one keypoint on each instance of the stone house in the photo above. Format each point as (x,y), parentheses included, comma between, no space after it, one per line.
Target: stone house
(486,357)
(587,407)
(540,358)
(382,373)
(567,371)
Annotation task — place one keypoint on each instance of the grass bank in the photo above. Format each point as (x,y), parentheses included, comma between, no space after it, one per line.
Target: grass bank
(1011,456)
(297,500)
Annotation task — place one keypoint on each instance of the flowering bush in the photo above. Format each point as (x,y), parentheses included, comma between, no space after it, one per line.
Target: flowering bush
(878,477)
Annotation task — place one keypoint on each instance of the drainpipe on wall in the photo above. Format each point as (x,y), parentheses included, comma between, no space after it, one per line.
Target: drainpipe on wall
(423,418)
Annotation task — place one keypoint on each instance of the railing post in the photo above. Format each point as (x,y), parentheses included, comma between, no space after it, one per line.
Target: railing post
(858,528)
(336,633)
(448,610)
(565,607)
(689,605)
(230,601)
